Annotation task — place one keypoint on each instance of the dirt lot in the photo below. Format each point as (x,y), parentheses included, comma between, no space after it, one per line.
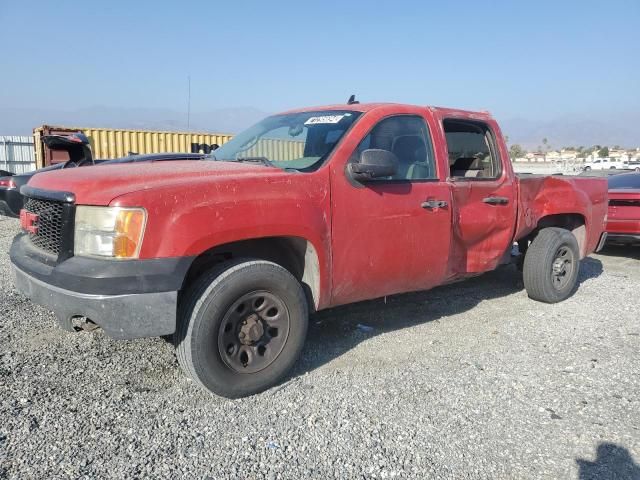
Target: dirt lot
(472,380)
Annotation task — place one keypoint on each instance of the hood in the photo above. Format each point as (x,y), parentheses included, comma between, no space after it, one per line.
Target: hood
(99,186)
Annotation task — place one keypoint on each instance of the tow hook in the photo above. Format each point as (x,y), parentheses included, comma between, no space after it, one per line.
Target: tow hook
(83,324)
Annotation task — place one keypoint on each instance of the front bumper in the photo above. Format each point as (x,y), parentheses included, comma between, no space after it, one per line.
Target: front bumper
(128,299)
(120,316)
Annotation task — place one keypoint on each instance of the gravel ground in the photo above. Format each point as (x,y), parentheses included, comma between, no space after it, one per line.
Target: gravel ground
(472,380)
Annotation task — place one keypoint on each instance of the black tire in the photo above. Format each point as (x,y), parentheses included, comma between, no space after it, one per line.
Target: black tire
(5,211)
(551,265)
(217,297)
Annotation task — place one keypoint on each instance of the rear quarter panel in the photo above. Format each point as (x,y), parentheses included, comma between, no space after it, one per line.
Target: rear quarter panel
(541,196)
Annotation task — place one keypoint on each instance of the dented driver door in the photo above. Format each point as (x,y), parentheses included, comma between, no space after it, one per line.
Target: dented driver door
(393,234)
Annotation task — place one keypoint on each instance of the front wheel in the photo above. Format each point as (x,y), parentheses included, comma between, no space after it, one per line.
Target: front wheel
(241,327)
(551,265)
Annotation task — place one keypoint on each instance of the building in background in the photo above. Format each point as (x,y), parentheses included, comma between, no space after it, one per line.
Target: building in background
(17,154)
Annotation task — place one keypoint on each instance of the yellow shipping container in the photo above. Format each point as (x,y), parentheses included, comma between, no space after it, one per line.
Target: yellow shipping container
(108,143)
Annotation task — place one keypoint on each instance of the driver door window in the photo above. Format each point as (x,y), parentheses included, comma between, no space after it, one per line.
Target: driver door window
(407,137)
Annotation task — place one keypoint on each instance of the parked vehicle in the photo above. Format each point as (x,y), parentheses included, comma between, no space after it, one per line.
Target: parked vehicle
(230,255)
(605,164)
(634,164)
(623,219)
(12,201)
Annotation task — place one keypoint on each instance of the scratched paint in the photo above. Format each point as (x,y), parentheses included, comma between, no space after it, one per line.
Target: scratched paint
(372,240)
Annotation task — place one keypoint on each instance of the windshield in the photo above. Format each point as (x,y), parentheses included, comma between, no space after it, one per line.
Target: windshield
(301,141)
(625,181)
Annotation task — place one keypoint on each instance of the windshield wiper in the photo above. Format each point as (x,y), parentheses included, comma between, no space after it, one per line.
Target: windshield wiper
(262,160)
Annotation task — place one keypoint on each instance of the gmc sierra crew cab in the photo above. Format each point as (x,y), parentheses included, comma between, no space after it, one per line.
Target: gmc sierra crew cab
(306,210)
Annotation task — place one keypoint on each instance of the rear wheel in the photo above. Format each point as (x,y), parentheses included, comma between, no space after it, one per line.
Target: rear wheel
(241,327)
(551,265)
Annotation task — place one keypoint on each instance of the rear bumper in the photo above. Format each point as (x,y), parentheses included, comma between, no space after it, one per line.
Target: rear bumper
(128,299)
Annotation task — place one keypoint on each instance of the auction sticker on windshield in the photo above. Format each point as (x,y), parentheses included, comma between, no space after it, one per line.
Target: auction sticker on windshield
(324,119)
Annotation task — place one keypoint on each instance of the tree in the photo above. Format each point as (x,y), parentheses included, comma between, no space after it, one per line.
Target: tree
(516,151)
(545,142)
(603,152)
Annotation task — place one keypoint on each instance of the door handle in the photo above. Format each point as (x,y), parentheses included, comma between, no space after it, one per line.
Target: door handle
(496,200)
(431,204)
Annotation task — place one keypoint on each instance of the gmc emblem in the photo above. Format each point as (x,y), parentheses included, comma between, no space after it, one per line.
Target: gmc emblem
(28,221)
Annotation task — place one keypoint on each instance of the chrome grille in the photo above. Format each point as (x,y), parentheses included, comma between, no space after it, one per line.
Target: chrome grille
(49,224)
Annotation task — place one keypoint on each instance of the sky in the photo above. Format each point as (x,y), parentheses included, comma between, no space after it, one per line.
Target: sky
(534,60)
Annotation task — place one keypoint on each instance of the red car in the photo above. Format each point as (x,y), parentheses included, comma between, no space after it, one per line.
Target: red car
(306,210)
(623,220)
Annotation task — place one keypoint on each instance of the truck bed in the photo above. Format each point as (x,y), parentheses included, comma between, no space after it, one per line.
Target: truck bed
(543,195)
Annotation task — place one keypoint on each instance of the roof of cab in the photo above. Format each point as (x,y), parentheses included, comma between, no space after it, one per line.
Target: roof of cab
(366,107)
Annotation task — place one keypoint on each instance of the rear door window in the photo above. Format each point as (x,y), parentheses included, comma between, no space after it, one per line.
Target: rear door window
(472,150)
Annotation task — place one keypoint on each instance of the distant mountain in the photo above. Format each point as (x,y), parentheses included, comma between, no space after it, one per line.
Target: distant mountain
(21,121)
(574,131)
(620,129)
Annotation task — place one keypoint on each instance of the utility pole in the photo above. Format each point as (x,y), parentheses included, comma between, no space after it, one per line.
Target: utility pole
(189,102)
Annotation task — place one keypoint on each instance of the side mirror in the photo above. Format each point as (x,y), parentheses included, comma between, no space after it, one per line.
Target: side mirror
(374,163)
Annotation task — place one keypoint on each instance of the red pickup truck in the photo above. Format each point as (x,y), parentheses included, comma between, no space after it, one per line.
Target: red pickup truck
(306,210)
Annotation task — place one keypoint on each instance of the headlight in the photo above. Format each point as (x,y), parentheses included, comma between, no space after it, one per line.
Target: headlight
(114,232)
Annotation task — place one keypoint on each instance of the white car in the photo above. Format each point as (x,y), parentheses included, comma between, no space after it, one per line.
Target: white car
(634,164)
(605,164)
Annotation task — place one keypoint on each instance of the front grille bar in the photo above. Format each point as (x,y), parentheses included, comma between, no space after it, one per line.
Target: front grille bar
(41,194)
(56,211)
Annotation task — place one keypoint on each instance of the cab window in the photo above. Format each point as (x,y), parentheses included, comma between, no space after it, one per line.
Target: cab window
(472,151)
(407,137)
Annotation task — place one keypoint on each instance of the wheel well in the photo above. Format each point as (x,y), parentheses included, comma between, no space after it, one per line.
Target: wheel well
(573,222)
(295,254)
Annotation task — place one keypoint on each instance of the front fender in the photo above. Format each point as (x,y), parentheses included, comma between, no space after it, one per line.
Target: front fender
(213,213)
